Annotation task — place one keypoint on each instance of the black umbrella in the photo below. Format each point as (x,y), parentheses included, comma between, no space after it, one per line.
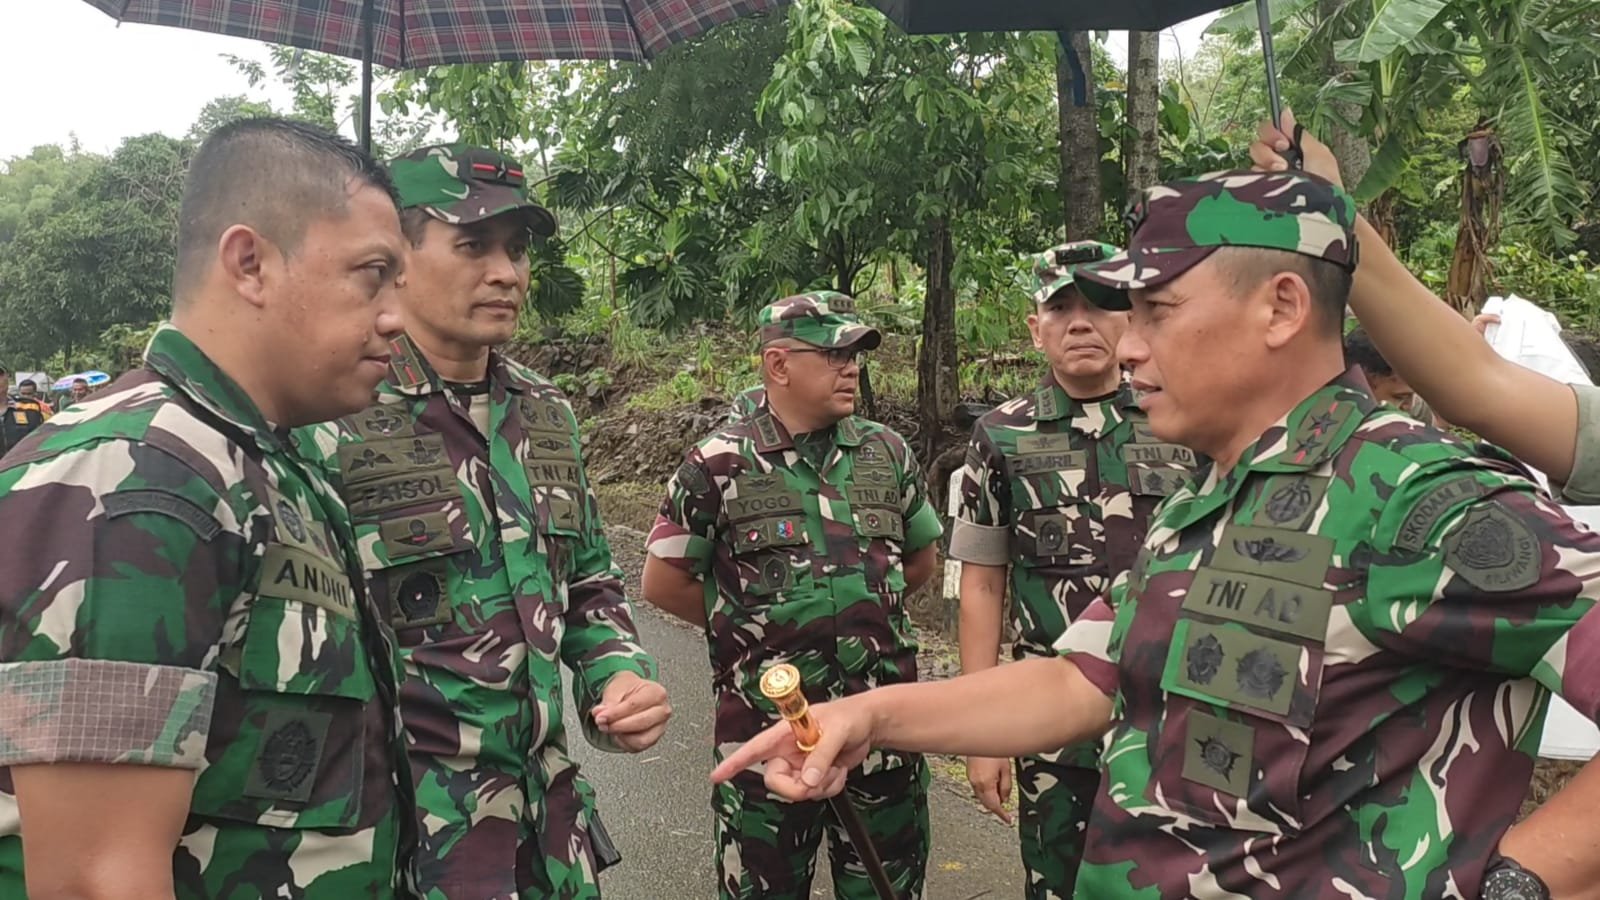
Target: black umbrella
(942,16)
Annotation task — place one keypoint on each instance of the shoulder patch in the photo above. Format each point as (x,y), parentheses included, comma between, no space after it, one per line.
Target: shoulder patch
(1431,507)
(162,503)
(692,478)
(1493,550)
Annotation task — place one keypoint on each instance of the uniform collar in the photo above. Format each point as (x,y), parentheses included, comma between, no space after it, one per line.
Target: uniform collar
(410,374)
(1315,430)
(1051,403)
(1311,433)
(187,368)
(771,435)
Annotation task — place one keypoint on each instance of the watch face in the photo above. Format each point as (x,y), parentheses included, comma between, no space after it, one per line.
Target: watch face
(1513,884)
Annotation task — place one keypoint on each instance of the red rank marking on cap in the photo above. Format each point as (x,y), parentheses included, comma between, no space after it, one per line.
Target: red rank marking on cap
(485,167)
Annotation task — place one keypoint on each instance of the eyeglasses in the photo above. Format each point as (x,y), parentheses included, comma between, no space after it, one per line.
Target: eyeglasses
(837,357)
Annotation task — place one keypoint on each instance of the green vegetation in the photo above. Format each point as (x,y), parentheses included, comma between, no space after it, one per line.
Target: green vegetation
(822,148)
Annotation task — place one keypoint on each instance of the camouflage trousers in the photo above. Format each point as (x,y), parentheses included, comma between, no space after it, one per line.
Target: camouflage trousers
(767,848)
(1054,800)
(481,839)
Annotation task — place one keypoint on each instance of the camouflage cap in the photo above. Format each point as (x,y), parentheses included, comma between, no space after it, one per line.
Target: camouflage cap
(1176,225)
(460,184)
(820,318)
(1052,271)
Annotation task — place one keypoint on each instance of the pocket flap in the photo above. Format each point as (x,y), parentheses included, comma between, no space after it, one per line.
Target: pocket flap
(293,647)
(1238,668)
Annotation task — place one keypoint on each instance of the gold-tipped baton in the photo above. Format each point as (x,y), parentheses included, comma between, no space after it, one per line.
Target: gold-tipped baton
(781,685)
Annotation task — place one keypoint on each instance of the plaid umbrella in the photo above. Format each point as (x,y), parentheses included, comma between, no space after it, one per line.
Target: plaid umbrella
(416,33)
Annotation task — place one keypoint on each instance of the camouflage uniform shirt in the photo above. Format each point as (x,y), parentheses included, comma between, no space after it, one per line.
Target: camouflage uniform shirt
(490,559)
(1330,666)
(1061,491)
(804,562)
(179,590)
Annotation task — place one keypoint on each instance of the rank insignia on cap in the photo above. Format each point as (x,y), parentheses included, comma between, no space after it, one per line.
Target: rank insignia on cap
(753,535)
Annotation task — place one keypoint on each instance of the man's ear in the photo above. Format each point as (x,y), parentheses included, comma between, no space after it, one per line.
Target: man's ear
(1033,329)
(776,362)
(1290,309)
(246,259)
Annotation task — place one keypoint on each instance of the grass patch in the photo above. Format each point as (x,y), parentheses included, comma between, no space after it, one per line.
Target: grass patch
(682,389)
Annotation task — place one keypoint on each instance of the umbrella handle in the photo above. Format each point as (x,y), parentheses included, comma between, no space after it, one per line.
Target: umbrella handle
(1295,158)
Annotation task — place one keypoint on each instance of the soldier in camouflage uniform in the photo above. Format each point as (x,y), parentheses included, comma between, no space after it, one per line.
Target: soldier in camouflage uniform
(1058,486)
(795,536)
(200,700)
(482,540)
(1327,672)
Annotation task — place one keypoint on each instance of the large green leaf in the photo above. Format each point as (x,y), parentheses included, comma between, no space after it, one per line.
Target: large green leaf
(1387,166)
(1394,24)
(1243,17)
(1544,188)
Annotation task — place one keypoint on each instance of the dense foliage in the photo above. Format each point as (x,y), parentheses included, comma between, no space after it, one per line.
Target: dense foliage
(823,148)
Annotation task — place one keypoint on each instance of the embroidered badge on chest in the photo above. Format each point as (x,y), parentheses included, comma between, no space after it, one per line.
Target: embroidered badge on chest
(290,518)
(290,751)
(383,421)
(421,454)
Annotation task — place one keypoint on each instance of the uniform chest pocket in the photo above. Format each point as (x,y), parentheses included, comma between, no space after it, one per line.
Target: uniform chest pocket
(1241,680)
(1063,534)
(876,508)
(772,554)
(294,719)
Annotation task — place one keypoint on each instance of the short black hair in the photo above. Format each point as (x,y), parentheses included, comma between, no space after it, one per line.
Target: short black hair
(414,224)
(28,382)
(1359,350)
(1329,283)
(276,176)
(82,381)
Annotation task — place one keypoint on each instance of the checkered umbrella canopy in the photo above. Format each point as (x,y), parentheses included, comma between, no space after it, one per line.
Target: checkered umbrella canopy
(416,33)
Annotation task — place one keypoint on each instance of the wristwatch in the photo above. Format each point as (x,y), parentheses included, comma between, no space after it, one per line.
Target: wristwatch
(1505,879)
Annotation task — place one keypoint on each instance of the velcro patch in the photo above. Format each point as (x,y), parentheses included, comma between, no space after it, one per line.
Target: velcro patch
(1431,508)
(1493,550)
(162,503)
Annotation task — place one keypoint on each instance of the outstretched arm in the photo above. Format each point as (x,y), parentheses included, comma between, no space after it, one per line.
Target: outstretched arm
(1028,707)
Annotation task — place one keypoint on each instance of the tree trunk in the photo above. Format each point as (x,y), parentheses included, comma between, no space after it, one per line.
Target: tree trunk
(1349,147)
(843,278)
(1080,145)
(1482,189)
(1381,213)
(937,374)
(1143,150)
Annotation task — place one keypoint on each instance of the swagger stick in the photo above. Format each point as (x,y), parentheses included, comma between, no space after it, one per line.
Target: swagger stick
(781,685)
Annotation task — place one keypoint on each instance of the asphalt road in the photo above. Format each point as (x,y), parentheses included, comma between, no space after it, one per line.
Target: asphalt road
(656,805)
